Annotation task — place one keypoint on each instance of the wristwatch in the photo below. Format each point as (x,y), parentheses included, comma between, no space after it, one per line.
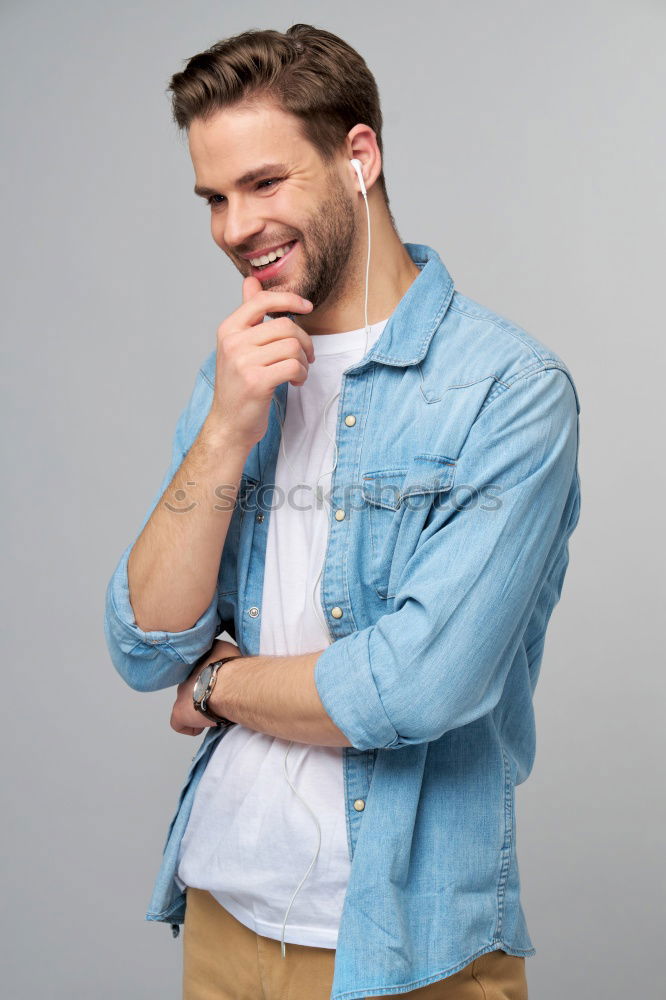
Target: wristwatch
(203,689)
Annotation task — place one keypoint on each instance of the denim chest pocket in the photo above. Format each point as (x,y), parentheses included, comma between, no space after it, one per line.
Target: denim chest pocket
(396,502)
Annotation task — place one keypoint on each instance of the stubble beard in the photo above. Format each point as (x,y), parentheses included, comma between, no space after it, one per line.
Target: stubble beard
(329,252)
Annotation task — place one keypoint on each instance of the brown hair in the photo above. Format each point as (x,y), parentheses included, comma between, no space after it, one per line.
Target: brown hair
(307,71)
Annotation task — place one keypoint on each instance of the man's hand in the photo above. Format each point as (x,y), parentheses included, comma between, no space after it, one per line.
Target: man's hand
(253,357)
(184,717)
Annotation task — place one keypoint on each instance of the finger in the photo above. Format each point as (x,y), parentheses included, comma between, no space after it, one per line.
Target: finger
(254,309)
(188,730)
(283,371)
(251,286)
(278,350)
(270,332)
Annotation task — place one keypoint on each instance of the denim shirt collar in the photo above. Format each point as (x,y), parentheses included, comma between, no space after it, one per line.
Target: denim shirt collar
(406,337)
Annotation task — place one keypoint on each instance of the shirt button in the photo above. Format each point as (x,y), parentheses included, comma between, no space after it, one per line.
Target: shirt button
(336,612)
(339,515)
(359,805)
(260,518)
(350,420)
(253,612)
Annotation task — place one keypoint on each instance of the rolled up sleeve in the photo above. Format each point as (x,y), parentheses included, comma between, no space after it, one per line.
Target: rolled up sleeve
(440,658)
(149,661)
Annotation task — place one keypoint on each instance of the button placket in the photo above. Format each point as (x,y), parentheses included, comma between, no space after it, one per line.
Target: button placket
(357,775)
(354,392)
(253,554)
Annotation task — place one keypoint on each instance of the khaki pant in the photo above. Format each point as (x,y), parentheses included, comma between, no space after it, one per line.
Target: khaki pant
(225,960)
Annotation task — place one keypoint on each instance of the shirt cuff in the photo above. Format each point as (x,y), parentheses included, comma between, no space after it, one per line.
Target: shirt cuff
(186,646)
(349,694)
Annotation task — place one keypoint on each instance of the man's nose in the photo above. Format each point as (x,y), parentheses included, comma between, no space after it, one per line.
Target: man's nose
(240,223)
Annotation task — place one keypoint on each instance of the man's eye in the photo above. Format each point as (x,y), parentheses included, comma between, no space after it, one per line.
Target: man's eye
(210,200)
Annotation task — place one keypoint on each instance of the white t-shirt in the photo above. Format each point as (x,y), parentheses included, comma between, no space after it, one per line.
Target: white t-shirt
(250,839)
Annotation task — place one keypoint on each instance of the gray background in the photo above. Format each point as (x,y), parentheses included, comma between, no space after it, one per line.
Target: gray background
(525,142)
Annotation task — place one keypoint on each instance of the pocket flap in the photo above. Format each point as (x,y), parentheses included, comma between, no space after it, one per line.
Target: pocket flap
(429,474)
(383,488)
(426,474)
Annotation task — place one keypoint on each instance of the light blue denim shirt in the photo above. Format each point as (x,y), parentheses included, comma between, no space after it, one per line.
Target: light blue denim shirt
(457,439)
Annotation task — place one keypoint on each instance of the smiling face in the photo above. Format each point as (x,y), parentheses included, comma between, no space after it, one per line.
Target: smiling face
(267,187)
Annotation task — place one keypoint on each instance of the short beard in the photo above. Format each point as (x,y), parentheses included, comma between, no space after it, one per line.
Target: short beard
(328,247)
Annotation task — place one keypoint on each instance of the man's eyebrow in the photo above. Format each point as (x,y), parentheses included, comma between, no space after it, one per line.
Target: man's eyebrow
(247,178)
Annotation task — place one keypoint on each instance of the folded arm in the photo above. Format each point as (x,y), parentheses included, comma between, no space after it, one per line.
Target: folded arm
(440,659)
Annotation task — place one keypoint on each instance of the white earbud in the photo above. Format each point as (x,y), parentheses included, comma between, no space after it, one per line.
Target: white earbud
(356,164)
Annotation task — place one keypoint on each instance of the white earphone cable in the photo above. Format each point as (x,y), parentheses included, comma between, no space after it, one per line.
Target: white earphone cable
(297,889)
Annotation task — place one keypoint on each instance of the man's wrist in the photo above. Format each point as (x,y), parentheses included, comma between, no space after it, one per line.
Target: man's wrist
(220,438)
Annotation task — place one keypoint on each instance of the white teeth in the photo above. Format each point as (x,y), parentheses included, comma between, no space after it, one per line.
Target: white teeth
(269,258)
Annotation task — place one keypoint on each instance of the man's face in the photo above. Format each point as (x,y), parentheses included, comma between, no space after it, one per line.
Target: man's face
(304,201)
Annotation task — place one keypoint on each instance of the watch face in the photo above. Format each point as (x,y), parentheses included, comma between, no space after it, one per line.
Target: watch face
(201,683)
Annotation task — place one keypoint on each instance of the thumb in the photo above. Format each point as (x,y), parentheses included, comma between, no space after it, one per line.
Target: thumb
(251,286)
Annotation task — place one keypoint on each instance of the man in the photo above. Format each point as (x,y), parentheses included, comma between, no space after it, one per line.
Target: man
(354,795)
